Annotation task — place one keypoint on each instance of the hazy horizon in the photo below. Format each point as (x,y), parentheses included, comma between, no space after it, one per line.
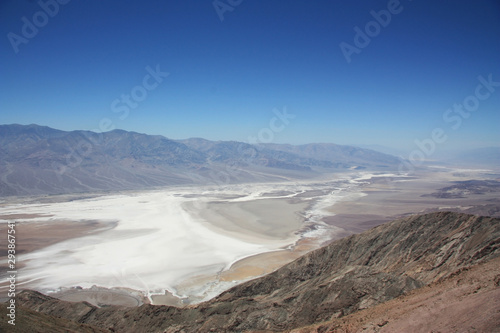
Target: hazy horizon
(388,73)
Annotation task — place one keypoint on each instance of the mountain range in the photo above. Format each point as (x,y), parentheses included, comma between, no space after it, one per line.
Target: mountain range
(38,160)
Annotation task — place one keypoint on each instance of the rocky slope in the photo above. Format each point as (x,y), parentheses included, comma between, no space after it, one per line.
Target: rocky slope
(339,279)
(468,301)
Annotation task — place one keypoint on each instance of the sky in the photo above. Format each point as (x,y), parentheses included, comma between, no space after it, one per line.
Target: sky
(406,74)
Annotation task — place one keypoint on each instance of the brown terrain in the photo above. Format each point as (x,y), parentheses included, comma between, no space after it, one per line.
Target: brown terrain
(467,301)
(423,273)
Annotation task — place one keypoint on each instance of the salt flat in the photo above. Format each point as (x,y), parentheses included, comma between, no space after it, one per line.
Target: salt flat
(161,239)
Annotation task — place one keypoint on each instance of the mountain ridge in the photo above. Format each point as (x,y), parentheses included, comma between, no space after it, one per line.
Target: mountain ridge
(36,160)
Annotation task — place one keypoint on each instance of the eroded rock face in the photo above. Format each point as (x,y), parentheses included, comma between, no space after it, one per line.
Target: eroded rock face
(341,278)
(466,301)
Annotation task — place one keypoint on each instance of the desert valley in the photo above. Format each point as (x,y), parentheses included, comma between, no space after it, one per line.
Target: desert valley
(184,244)
(236,166)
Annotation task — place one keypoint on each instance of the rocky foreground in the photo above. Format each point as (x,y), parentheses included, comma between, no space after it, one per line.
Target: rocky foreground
(332,289)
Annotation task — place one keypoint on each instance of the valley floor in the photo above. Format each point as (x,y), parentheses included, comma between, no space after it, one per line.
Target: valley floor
(195,243)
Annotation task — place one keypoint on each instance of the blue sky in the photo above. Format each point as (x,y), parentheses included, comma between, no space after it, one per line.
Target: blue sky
(225,77)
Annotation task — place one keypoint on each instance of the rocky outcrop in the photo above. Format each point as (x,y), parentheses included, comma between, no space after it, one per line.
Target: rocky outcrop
(467,301)
(339,279)
(31,321)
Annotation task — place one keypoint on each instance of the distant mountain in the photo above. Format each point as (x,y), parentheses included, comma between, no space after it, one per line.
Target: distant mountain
(384,149)
(338,155)
(41,160)
(342,278)
(245,154)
